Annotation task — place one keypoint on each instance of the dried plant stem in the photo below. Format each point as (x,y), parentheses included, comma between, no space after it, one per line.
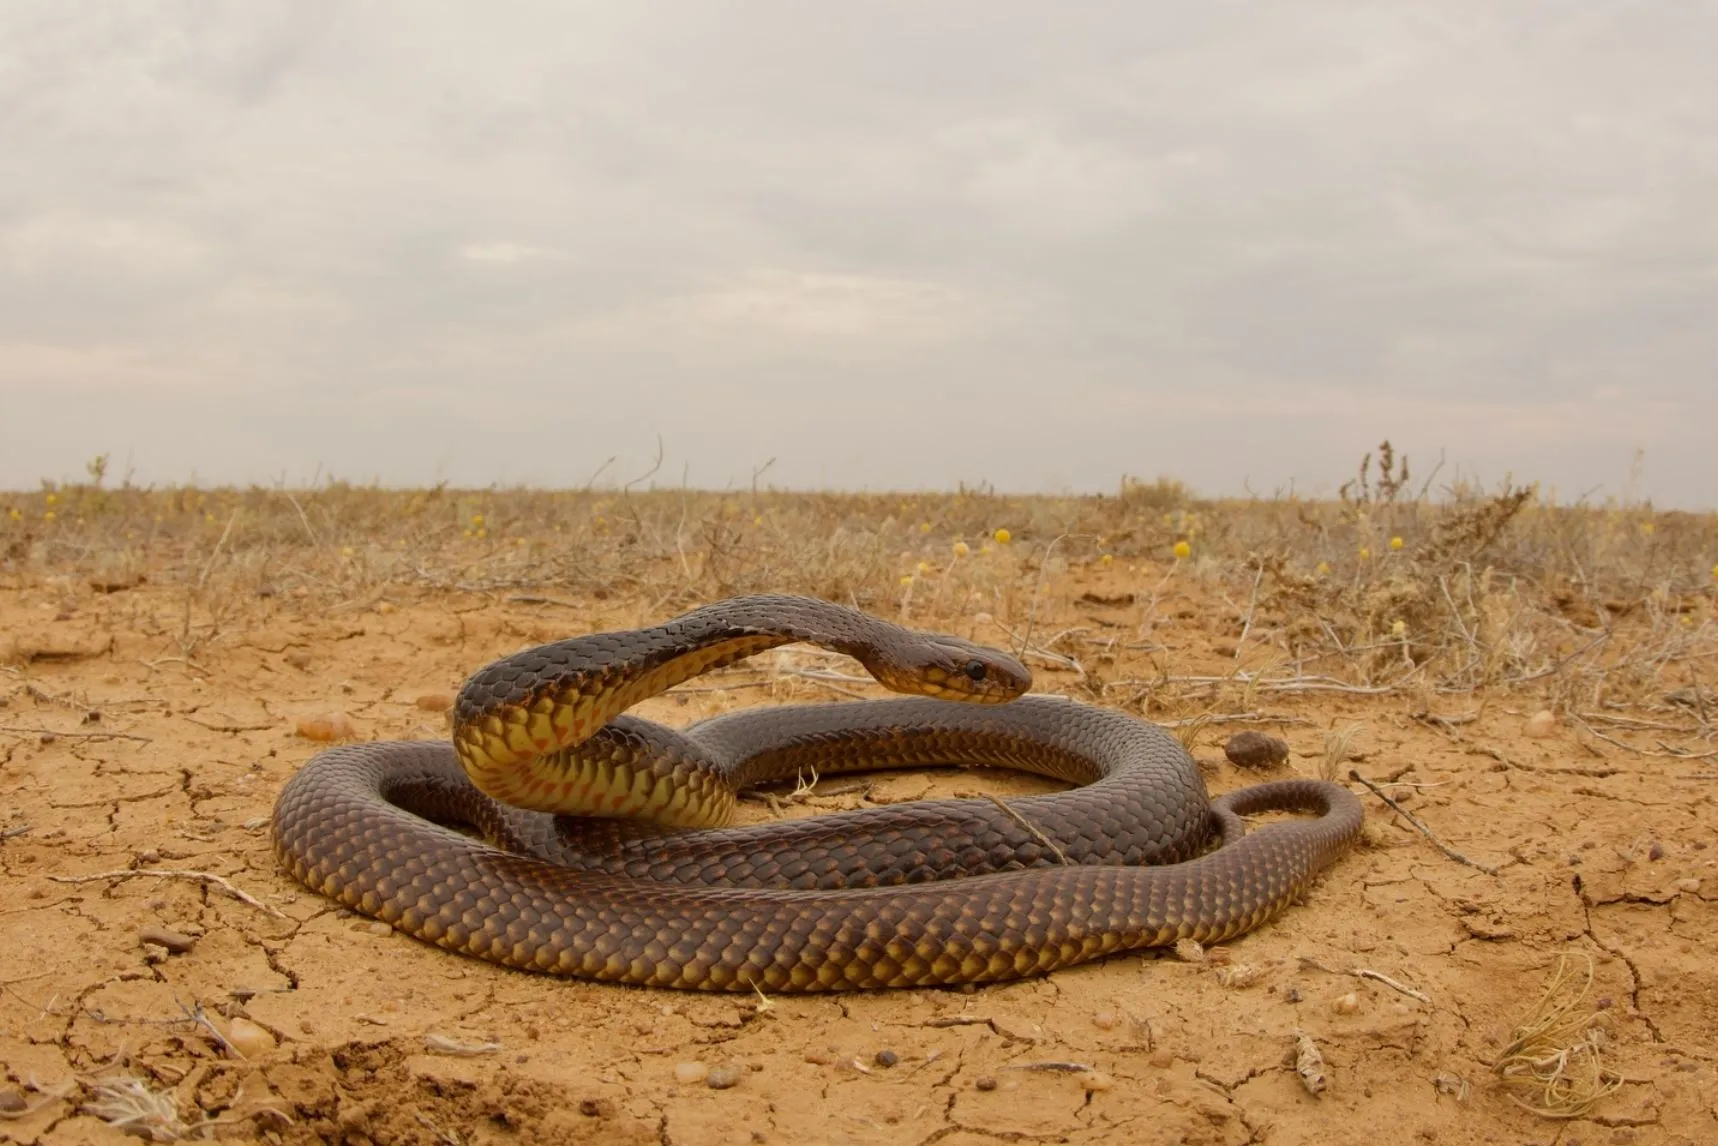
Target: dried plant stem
(204,877)
(1425,831)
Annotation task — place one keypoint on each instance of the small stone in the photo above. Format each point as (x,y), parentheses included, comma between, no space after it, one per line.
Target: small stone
(1540,725)
(11,1100)
(298,659)
(379,929)
(820,1058)
(176,942)
(690,1072)
(887,1057)
(148,855)
(722,1077)
(1346,1004)
(249,1039)
(593,1107)
(435,701)
(1161,1059)
(984,1083)
(1689,885)
(1256,750)
(1655,851)
(327,727)
(1095,1081)
(1106,1020)
(385,607)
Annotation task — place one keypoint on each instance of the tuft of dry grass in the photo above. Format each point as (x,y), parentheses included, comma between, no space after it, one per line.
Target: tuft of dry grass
(1554,1064)
(125,1103)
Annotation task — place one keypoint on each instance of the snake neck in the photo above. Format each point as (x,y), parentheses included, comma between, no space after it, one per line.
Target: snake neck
(523,727)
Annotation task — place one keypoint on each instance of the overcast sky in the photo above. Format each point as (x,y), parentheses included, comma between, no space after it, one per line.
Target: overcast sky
(889,245)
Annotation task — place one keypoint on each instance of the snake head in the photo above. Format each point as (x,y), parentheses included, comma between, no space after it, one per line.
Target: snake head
(950,668)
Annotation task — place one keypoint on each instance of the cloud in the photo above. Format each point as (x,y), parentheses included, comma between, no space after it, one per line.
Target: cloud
(900,245)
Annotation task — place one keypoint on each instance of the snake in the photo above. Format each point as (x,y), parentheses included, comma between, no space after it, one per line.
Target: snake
(556,832)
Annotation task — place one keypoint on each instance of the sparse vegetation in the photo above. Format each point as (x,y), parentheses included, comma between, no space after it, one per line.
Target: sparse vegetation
(1383,590)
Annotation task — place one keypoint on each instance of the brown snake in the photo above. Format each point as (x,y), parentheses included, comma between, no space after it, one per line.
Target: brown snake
(837,902)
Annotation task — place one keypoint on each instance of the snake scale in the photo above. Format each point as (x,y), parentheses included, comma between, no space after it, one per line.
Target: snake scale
(643,887)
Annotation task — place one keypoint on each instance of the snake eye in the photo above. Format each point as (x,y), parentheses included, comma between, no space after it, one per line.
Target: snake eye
(974,669)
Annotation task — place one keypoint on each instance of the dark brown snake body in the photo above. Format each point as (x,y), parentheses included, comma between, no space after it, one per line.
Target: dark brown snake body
(932,892)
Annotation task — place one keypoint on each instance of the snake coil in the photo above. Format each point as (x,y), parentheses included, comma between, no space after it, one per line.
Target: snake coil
(919,894)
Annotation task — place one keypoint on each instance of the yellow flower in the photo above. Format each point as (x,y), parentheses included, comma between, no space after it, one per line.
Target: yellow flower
(1715,572)
(346,551)
(14,514)
(907,579)
(1003,537)
(961,549)
(1365,553)
(48,516)
(1105,560)
(1395,543)
(1182,551)
(52,498)
(1646,528)
(757,520)
(483,533)
(477,521)
(924,567)
(1323,569)
(924,527)
(1398,629)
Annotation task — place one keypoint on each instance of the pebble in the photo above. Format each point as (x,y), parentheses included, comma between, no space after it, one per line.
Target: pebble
(1540,725)
(435,701)
(1346,1004)
(722,1077)
(248,1038)
(820,1058)
(175,941)
(1106,1020)
(1655,851)
(327,727)
(1096,1080)
(985,1083)
(1689,885)
(385,607)
(297,658)
(11,1100)
(887,1057)
(690,1072)
(1162,1059)
(1256,750)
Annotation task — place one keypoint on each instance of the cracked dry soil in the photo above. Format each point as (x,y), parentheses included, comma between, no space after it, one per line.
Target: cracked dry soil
(122,754)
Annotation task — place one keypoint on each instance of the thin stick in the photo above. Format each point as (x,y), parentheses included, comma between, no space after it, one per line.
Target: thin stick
(175,873)
(1036,834)
(74,735)
(1367,973)
(1252,604)
(1415,820)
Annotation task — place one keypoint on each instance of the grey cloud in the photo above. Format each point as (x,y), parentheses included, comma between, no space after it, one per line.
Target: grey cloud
(891,245)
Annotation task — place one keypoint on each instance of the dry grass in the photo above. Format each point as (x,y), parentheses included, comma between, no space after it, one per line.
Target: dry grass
(1554,1064)
(1382,591)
